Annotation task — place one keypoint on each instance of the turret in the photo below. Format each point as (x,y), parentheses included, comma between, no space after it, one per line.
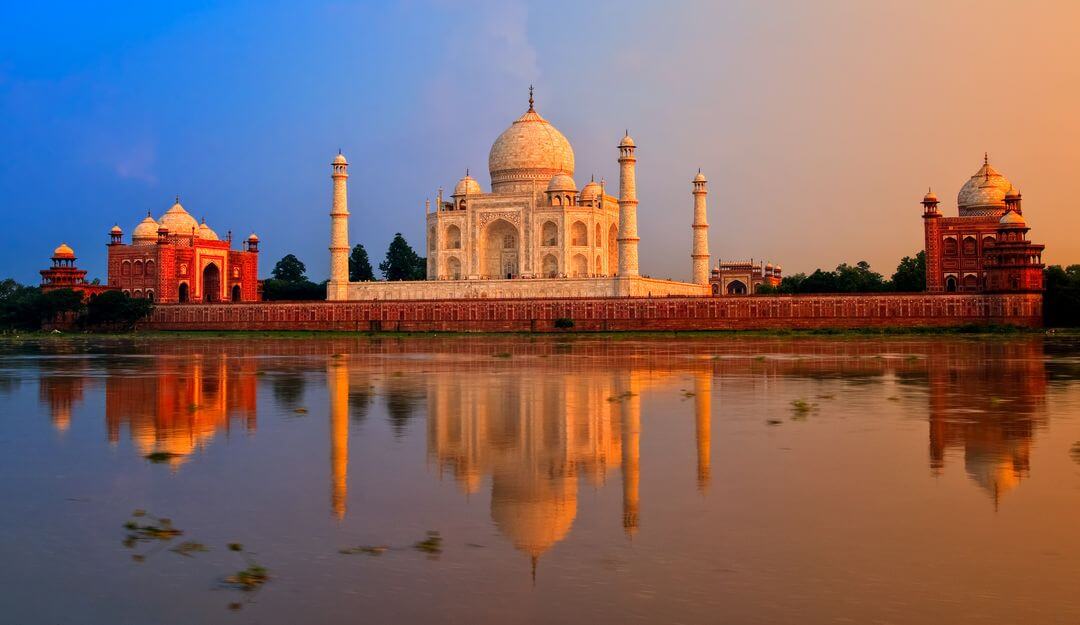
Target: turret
(932,242)
(116,235)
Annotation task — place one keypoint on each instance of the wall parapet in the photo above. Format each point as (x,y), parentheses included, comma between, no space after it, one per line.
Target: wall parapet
(611,314)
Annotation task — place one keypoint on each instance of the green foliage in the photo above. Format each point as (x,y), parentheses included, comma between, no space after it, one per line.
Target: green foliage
(278,290)
(27,308)
(1061,302)
(289,269)
(402,263)
(359,265)
(115,310)
(910,276)
(857,278)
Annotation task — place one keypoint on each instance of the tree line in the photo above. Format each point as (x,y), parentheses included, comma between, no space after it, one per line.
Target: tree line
(29,308)
(289,281)
(909,277)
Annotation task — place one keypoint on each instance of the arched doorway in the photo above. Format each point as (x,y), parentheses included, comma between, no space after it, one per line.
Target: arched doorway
(236,293)
(499,254)
(453,267)
(551,266)
(950,284)
(736,287)
(211,283)
(579,266)
(182,294)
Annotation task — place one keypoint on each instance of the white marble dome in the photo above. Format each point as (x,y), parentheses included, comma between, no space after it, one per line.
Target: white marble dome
(562,183)
(146,231)
(984,193)
(178,220)
(530,151)
(468,186)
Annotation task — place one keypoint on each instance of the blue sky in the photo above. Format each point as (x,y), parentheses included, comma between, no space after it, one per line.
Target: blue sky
(819,127)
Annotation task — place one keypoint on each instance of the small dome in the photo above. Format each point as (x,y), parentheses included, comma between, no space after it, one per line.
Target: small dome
(1013,194)
(984,193)
(930,197)
(468,186)
(63,251)
(253,238)
(700,177)
(116,229)
(627,141)
(206,233)
(562,182)
(340,159)
(1012,219)
(178,220)
(590,191)
(146,231)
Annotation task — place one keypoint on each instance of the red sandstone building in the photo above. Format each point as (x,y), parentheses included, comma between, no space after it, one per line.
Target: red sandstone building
(743,277)
(177,260)
(985,248)
(64,274)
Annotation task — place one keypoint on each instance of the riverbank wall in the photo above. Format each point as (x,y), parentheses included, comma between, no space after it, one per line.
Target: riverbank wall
(611,314)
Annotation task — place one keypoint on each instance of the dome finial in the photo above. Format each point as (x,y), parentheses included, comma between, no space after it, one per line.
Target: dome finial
(530,97)
(466,172)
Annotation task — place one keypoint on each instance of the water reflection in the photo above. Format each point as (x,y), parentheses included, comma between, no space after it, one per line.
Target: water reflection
(555,414)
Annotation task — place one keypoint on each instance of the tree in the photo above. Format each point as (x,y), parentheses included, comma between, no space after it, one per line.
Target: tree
(289,269)
(910,276)
(1061,302)
(278,290)
(115,310)
(27,307)
(402,263)
(858,278)
(359,265)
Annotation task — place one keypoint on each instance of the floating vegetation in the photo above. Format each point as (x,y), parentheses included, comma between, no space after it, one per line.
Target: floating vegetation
(1074,451)
(371,550)
(827,396)
(773,421)
(189,547)
(432,545)
(153,530)
(502,355)
(893,398)
(621,396)
(759,359)
(160,457)
(688,394)
(301,410)
(801,409)
(248,579)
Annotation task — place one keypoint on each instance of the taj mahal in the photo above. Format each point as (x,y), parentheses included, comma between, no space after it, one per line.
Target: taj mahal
(535,234)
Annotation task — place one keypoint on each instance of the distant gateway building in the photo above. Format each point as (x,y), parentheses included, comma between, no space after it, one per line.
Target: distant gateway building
(535,234)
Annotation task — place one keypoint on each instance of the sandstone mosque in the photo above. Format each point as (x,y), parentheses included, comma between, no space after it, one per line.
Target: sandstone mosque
(535,234)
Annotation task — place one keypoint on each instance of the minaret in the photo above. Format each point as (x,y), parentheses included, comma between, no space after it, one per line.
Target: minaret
(339,231)
(628,238)
(700,255)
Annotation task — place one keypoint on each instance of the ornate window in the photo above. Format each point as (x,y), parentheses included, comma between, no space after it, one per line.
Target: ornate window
(950,247)
(150,267)
(125,268)
(969,246)
(453,238)
(549,234)
(579,234)
(508,241)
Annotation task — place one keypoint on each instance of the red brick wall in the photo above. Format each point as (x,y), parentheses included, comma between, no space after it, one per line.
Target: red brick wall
(689,313)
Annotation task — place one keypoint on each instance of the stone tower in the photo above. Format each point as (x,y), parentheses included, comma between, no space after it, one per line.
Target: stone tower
(628,238)
(932,230)
(339,231)
(699,256)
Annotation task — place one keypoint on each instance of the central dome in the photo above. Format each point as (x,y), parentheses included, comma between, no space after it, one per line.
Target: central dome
(984,193)
(528,153)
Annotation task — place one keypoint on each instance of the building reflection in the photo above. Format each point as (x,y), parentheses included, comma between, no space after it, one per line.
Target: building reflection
(61,385)
(994,432)
(176,405)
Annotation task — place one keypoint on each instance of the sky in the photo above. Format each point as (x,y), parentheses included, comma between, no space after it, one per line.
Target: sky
(820,125)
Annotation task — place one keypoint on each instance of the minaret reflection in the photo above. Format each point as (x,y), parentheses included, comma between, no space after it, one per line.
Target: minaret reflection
(61,387)
(337,379)
(703,426)
(630,409)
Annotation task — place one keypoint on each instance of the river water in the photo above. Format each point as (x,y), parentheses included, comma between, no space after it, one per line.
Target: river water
(541,480)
